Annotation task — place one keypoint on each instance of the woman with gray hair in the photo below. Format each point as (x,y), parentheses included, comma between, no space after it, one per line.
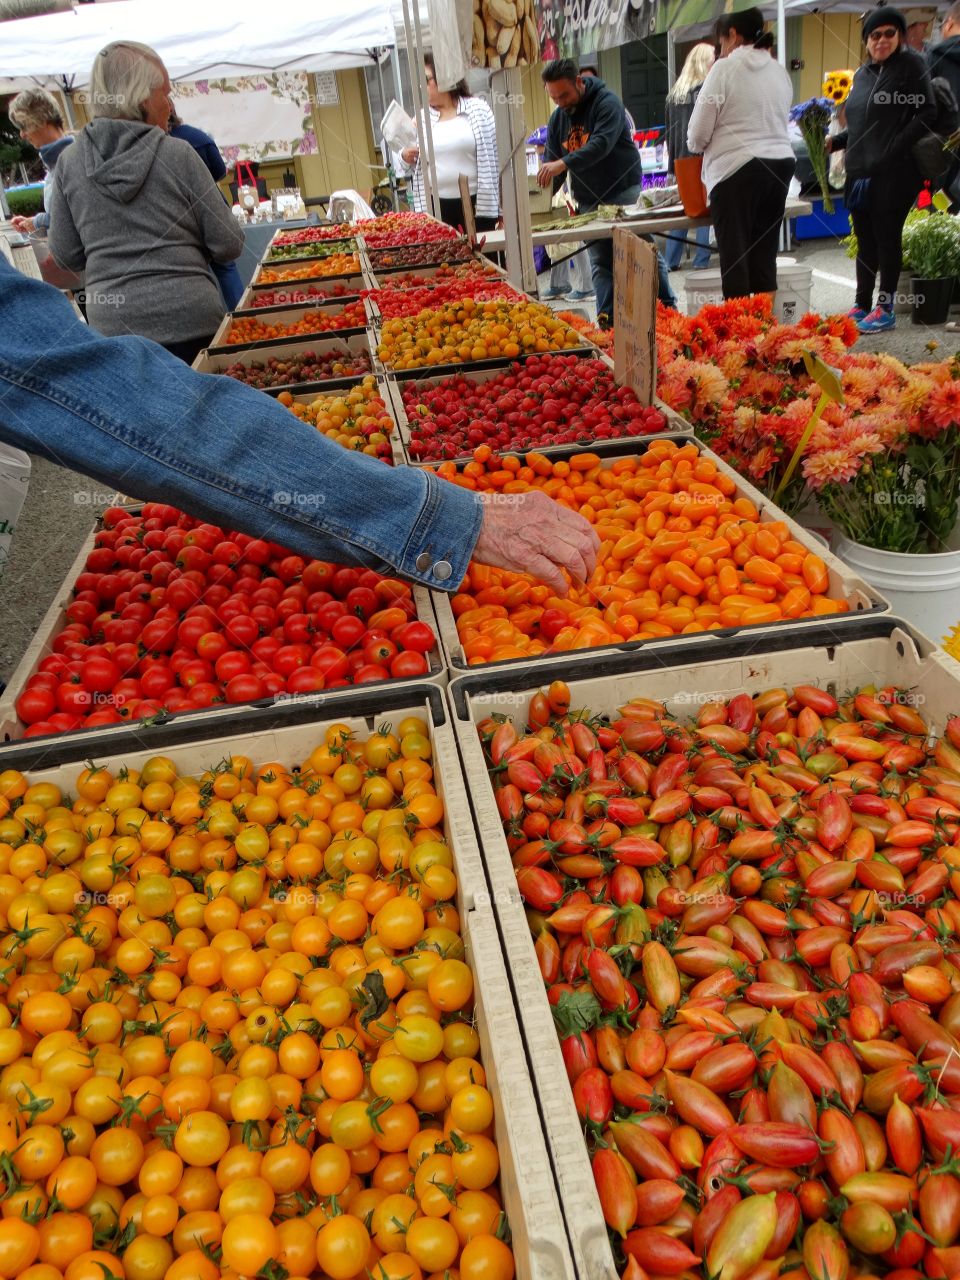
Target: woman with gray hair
(140,213)
(38,118)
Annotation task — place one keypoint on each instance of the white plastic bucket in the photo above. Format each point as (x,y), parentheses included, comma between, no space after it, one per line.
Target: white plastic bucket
(923,589)
(794,284)
(792,300)
(702,289)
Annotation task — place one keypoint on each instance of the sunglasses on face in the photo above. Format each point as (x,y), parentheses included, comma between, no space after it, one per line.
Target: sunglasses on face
(885,33)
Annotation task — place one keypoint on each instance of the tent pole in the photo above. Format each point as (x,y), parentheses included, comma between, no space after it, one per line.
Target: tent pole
(68,105)
(421,109)
(506,91)
(671,57)
(397,78)
(782,33)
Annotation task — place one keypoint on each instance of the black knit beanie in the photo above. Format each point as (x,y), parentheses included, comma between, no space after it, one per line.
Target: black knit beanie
(885,16)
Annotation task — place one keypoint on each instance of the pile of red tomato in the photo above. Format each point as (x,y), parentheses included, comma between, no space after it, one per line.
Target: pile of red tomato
(170,614)
(394,229)
(445,272)
(747,923)
(314,235)
(295,294)
(548,400)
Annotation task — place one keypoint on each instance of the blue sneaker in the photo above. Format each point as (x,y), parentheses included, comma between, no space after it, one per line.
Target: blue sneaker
(878,321)
(551,295)
(856,314)
(578,295)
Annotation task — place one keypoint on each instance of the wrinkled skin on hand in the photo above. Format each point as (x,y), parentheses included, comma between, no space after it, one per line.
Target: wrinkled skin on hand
(530,533)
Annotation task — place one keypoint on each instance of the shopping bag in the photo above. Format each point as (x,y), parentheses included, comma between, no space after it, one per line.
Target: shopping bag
(693,194)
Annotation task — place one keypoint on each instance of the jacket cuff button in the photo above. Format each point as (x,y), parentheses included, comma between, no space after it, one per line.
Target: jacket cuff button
(442,570)
(423,561)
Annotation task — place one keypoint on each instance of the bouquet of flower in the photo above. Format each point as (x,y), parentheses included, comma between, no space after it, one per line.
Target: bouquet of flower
(813,117)
(739,377)
(895,485)
(836,86)
(884,464)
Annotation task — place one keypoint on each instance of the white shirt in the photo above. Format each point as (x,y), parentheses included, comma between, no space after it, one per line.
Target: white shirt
(455,149)
(741,114)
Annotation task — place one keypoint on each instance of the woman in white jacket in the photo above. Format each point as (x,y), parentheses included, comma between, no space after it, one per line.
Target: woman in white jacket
(464,142)
(739,123)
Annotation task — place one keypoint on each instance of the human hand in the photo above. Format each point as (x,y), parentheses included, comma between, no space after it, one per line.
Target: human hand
(22,224)
(552,169)
(410,155)
(530,533)
(828,145)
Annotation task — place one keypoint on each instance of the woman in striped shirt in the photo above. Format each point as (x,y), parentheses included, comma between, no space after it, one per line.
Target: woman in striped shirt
(464,142)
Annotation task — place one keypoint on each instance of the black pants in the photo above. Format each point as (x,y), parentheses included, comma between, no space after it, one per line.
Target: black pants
(747,212)
(879,231)
(451,212)
(189,350)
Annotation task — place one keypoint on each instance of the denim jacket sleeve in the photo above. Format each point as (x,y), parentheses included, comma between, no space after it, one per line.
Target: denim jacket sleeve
(129,414)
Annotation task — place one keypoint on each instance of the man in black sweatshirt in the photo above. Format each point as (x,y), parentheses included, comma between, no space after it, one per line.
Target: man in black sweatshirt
(589,136)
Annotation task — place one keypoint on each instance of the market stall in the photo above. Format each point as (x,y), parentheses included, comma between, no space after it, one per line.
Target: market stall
(354,927)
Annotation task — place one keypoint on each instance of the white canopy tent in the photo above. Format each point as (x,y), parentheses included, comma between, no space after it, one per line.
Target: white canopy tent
(208,40)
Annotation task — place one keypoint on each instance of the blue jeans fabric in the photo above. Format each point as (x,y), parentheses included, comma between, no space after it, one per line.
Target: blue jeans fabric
(601,259)
(675,248)
(129,414)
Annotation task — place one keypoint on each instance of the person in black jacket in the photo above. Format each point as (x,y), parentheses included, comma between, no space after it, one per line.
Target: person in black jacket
(889,108)
(678,109)
(588,136)
(944,60)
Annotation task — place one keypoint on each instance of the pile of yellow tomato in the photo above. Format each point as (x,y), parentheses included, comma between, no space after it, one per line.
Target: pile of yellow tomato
(236,1025)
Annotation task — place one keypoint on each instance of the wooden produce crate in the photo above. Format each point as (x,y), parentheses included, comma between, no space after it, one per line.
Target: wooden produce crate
(877,650)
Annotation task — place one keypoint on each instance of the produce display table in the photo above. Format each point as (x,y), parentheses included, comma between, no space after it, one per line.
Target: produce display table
(492,934)
(651,224)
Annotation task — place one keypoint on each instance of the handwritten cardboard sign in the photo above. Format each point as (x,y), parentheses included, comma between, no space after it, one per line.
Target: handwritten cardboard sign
(635,312)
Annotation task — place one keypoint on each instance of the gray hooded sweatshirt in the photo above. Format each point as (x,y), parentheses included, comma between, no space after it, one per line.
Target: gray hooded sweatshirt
(139,213)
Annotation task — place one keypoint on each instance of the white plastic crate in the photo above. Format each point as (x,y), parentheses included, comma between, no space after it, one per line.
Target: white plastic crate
(54,620)
(880,650)
(844,583)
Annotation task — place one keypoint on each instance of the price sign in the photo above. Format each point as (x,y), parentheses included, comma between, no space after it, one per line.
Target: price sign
(635,309)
